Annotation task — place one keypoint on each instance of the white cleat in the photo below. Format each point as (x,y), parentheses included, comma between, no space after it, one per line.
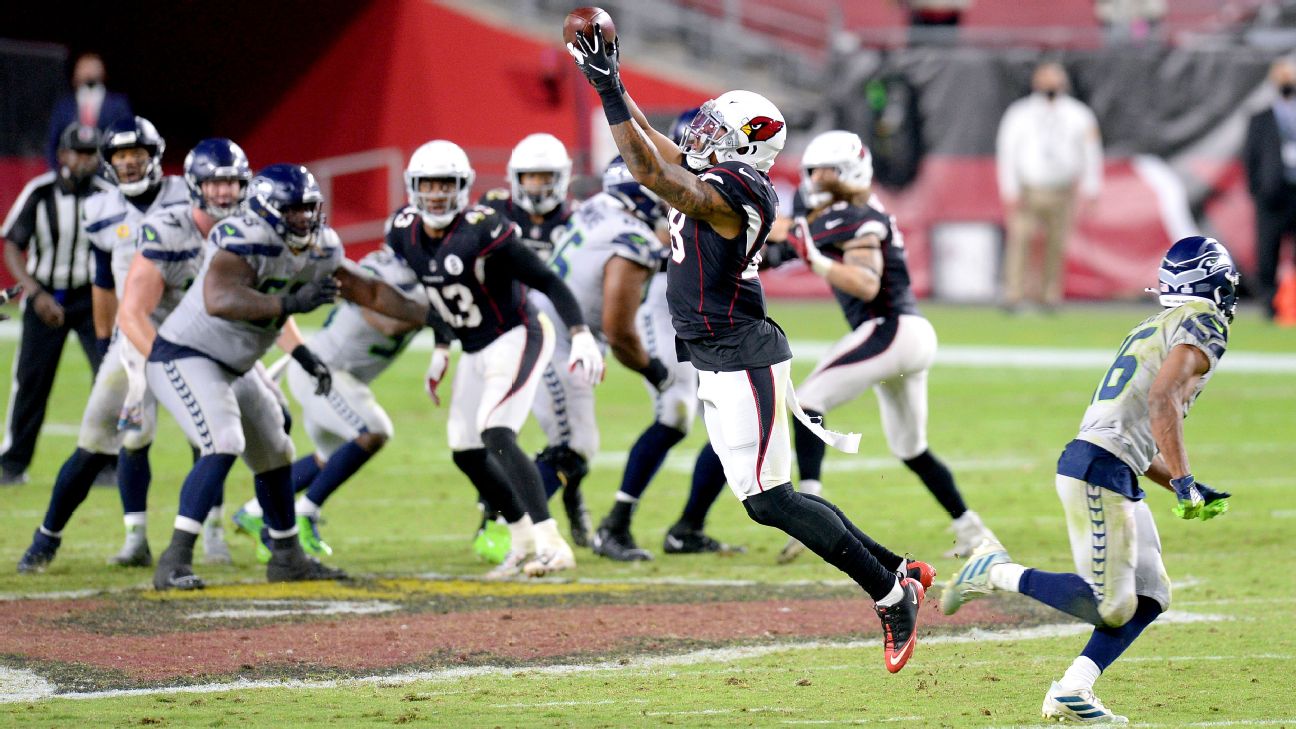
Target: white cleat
(555,559)
(969,531)
(973,580)
(214,547)
(790,551)
(1081,707)
(511,567)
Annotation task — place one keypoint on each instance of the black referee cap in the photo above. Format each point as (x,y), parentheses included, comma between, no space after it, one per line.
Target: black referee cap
(79,138)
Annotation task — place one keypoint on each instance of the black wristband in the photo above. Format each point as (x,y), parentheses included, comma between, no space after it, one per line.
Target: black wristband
(614,105)
(655,372)
(305,357)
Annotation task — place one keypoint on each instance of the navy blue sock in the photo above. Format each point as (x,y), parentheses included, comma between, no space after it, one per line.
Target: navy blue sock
(809,450)
(548,475)
(133,478)
(647,456)
(275,494)
(1107,644)
(204,485)
(344,462)
(304,472)
(72,486)
(1064,591)
(708,482)
(939,481)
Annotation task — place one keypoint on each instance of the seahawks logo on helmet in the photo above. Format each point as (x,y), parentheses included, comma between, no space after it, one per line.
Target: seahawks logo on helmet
(1199,268)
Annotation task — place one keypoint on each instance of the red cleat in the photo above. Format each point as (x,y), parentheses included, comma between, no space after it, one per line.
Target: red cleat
(920,571)
(900,625)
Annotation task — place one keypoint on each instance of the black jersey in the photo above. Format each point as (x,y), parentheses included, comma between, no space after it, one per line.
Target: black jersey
(842,223)
(476,292)
(716,301)
(539,237)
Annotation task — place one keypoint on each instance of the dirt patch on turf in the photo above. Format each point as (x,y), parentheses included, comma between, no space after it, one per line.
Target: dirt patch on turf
(135,640)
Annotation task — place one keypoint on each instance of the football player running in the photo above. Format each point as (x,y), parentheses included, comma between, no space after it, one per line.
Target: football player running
(347,425)
(721,217)
(856,247)
(475,272)
(276,260)
(114,220)
(1133,426)
(606,256)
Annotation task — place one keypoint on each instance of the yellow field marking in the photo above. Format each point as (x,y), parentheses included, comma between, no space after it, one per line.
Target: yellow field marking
(388,589)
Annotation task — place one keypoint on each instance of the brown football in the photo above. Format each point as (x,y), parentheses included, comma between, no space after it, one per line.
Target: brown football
(582,20)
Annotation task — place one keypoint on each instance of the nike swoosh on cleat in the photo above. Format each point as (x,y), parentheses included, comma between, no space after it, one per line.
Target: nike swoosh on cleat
(897,659)
(674,542)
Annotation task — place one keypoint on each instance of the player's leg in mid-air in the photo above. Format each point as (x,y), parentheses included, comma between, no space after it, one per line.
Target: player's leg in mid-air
(747,424)
(891,356)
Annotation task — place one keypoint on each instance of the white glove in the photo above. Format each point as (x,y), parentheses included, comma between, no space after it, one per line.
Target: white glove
(131,416)
(435,372)
(585,354)
(803,242)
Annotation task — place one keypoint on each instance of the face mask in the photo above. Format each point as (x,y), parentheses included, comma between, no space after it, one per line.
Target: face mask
(1287,90)
(1050,94)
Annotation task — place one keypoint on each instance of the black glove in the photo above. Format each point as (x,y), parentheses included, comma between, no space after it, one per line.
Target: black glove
(598,60)
(658,374)
(310,297)
(314,367)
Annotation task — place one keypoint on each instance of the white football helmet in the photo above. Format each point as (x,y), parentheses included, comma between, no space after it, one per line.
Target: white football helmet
(540,153)
(737,126)
(842,151)
(439,159)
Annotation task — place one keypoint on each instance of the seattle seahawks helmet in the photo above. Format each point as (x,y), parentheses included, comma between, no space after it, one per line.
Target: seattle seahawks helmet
(737,126)
(217,159)
(1199,268)
(681,124)
(842,151)
(542,153)
(439,160)
(129,133)
(639,200)
(288,198)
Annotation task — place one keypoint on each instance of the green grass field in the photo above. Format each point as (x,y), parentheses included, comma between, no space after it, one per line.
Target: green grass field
(1000,428)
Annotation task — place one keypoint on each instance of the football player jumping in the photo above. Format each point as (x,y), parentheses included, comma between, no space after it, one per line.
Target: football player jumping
(475,272)
(858,250)
(1133,426)
(722,214)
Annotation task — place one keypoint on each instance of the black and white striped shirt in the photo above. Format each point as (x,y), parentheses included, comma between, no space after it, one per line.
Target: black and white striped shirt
(45,221)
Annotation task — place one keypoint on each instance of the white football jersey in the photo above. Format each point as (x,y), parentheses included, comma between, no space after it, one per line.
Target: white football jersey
(170,239)
(1117,418)
(599,229)
(111,222)
(239,344)
(348,342)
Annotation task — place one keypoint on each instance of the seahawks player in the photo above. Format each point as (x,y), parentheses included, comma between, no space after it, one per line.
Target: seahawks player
(539,173)
(1133,426)
(261,268)
(720,219)
(475,272)
(606,256)
(346,424)
(115,220)
(858,250)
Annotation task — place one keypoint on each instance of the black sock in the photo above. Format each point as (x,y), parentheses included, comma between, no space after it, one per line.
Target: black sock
(809,450)
(501,445)
(618,519)
(708,482)
(820,529)
(939,481)
(490,482)
(182,545)
(886,557)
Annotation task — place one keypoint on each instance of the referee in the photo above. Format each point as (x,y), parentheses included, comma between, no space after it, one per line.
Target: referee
(45,224)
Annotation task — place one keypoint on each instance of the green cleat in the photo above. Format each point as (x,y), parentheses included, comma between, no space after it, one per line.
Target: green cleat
(252,526)
(308,533)
(493,541)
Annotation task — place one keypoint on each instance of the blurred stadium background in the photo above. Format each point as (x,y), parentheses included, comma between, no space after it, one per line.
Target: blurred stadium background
(351,88)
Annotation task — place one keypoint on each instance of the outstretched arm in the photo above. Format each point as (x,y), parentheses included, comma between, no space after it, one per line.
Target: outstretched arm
(378,295)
